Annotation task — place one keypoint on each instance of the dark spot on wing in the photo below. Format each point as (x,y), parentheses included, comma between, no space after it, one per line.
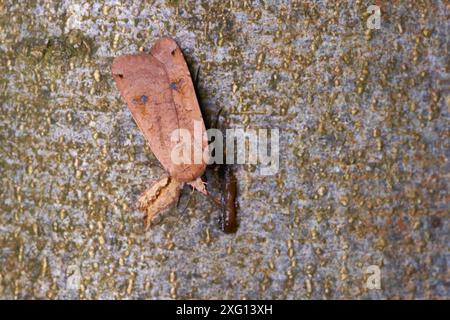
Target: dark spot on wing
(173,85)
(142,100)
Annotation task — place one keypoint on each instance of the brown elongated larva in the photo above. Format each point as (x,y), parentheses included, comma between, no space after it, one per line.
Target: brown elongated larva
(228,219)
(228,214)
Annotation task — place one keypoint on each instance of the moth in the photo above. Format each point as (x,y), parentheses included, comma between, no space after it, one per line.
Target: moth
(159,92)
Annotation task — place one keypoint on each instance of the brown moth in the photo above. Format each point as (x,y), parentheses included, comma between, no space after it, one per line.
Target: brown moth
(159,92)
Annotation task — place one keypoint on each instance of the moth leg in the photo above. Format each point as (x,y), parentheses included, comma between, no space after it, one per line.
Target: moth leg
(179,200)
(185,208)
(199,185)
(187,204)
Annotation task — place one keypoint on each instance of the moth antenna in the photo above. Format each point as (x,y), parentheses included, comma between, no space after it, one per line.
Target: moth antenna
(217,117)
(196,79)
(215,201)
